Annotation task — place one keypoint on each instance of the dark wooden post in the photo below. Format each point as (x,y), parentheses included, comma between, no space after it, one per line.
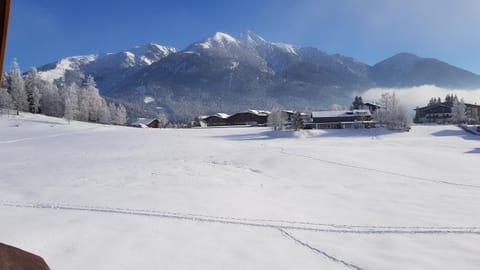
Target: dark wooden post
(14,258)
(5,14)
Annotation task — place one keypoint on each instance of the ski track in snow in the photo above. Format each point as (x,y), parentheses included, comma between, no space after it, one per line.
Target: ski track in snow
(48,136)
(284,152)
(320,252)
(262,223)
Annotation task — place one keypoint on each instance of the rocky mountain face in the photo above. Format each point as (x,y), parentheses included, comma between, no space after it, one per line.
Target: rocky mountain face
(224,73)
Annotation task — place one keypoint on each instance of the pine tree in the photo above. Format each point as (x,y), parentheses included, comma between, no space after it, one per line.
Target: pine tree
(17,88)
(6,101)
(297,121)
(51,103)
(357,103)
(94,100)
(32,88)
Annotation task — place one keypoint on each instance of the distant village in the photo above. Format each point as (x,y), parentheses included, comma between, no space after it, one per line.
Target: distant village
(360,115)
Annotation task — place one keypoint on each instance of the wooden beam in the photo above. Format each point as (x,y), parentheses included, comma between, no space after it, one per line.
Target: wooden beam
(4,17)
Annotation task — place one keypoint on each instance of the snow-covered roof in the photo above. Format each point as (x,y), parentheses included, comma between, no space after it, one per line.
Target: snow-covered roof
(143,121)
(327,114)
(373,104)
(222,115)
(259,112)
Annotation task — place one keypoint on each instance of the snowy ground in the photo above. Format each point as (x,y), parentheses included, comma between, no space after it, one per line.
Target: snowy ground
(88,196)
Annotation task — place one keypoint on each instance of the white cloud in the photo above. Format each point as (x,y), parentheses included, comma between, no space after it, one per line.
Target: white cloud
(420,95)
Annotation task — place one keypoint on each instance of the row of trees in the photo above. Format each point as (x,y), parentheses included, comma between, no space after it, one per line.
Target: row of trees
(69,99)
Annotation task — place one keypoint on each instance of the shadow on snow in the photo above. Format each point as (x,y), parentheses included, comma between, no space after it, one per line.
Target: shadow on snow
(273,135)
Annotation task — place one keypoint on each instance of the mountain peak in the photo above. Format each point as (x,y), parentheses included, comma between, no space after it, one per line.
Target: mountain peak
(218,40)
(407,69)
(250,39)
(399,61)
(406,54)
(222,37)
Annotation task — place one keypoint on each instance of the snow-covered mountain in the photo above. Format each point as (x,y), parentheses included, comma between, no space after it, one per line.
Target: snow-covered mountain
(406,69)
(107,69)
(226,73)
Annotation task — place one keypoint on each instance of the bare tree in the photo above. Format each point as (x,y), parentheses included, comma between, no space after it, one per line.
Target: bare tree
(391,115)
(277,120)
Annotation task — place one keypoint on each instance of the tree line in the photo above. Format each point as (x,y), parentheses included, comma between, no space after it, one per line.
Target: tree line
(73,99)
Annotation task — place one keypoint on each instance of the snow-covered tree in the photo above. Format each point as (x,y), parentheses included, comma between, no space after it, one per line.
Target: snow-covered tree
(118,114)
(162,121)
(277,120)
(121,116)
(73,77)
(17,88)
(391,114)
(83,105)
(71,110)
(6,101)
(297,121)
(458,112)
(33,83)
(94,100)
(51,102)
(357,103)
(104,113)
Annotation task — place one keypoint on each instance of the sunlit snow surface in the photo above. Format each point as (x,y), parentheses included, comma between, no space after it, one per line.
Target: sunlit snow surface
(87,196)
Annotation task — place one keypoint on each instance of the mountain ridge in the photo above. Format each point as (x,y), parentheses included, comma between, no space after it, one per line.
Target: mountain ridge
(226,73)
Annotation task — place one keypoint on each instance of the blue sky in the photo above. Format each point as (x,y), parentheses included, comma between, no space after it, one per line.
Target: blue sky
(42,31)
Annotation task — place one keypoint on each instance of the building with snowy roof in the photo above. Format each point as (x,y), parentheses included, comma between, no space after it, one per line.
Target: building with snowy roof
(250,117)
(146,123)
(218,119)
(341,119)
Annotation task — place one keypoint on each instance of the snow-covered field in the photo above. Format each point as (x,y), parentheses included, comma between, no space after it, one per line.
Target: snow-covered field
(88,196)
